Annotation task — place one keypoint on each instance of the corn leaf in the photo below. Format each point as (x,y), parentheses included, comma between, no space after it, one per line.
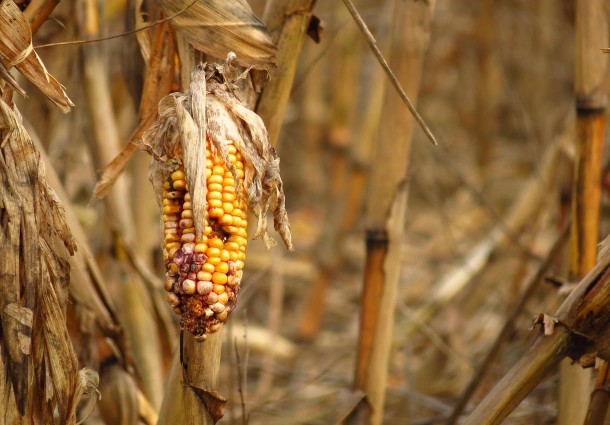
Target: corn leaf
(16,49)
(217,27)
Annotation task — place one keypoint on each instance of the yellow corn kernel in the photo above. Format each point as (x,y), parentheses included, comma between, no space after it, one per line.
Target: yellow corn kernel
(218,288)
(207,267)
(222,267)
(225,220)
(203,275)
(224,255)
(215,203)
(228,207)
(228,197)
(216,243)
(232,245)
(215,186)
(215,179)
(214,195)
(223,298)
(213,252)
(179,184)
(216,212)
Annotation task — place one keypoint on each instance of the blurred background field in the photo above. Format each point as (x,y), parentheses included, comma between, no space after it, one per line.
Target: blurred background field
(497,89)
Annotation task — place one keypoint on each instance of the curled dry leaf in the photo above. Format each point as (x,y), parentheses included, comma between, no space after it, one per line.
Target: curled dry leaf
(212,160)
(16,49)
(217,27)
(548,323)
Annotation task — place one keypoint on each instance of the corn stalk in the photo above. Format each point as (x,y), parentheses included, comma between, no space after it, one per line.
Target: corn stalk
(288,21)
(579,329)
(385,213)
(591,99)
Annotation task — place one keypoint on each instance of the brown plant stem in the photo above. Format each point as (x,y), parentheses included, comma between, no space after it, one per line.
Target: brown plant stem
(386,212)
(190,396)
(384,64)
(591,99)
(38,11)
(580,329)
(287,21)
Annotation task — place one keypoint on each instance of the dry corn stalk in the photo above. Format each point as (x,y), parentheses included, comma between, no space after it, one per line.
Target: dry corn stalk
(212,162)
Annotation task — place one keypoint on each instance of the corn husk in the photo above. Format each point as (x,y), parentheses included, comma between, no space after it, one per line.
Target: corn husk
(217,27)
(210,109)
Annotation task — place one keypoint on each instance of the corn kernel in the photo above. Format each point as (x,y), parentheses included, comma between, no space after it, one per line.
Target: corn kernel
(232,246)
(214,195)
(201,248)
(208,267)
(215,187)
(204,287)
(215,203)
(203,275)
(228,197)
(179,184)
(215,179)
(224,255)
(219,278)
(218,289)
(223,298)
(226,220)
(216,212)
(213,252)
(222,267)
(189,286)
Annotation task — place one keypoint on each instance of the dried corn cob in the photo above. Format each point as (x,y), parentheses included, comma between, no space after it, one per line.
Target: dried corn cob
(204,275)
(211,161)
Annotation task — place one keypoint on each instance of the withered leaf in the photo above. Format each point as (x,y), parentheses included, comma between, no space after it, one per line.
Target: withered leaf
(217,27)
(16,48)
(33,216)
(213,401)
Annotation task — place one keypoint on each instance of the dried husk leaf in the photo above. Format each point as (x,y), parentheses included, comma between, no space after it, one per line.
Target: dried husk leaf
(217,27)
(16,50)
(37,355)
(211,108)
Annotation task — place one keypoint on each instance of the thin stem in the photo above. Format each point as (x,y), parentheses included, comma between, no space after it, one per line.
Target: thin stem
(384,64)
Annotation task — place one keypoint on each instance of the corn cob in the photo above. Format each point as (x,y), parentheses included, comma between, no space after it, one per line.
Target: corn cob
(204,274)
